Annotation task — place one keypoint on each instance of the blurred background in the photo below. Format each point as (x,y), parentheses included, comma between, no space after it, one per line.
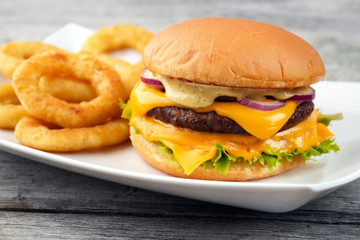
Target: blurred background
(331,26)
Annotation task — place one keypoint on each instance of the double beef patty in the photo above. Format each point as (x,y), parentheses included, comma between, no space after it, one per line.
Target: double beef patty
(212,122)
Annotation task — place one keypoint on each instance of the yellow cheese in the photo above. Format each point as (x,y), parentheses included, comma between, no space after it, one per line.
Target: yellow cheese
(189,157)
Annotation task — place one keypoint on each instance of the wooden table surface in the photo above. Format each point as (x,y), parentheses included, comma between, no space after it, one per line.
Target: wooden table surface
(42,202)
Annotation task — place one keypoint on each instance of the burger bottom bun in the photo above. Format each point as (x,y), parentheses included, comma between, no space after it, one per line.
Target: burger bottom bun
(237,171)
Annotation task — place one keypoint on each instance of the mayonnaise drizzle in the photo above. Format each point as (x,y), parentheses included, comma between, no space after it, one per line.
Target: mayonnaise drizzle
(195,95)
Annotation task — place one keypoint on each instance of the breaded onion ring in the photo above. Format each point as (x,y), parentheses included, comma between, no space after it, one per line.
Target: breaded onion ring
(115,38)
(10,114)
(14,53)
(10,109)
(7,94)
(38,134)
(67,88)
(44,106)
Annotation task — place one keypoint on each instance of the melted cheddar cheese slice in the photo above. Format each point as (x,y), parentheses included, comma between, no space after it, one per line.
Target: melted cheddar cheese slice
(183,141)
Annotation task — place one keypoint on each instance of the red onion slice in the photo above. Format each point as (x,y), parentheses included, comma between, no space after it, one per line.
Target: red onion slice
(304,96)
(150,81)
(262,106)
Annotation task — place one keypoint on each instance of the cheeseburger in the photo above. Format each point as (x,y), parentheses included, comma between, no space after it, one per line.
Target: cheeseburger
(227,99)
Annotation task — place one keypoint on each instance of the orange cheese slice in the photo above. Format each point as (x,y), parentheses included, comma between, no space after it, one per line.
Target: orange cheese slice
(189,157)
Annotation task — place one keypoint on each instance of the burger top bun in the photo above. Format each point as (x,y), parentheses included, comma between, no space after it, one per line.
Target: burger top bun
(234,53)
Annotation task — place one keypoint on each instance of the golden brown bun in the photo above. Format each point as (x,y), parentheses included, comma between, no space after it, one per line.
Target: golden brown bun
(235,53)
(238,171)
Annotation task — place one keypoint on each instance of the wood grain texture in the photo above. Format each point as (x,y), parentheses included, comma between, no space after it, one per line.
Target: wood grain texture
(42,202)
(80,226)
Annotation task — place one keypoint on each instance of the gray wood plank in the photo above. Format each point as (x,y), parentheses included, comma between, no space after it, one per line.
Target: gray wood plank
(29,186)
(84,226)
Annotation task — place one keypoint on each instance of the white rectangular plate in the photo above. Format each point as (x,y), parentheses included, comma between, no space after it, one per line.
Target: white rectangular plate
(281,193)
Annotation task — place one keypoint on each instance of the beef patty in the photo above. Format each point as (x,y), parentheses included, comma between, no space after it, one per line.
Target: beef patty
(212,122)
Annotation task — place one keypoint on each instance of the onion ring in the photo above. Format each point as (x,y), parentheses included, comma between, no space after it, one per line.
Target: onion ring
(44,106)
(67,88)
(118,37)
(38,134)
(10,109)
(14,53)
(10,114)
(7,94)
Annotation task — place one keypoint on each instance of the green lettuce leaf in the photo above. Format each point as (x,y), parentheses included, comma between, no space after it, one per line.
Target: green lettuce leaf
(222,160)
(167,151)
(327,118)
(126,113)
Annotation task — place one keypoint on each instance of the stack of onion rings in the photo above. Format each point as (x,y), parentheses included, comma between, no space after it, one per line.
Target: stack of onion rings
(60,101)
(44,106)
(78,126)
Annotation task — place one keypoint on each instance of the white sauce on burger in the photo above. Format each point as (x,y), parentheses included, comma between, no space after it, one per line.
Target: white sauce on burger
(195,95)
